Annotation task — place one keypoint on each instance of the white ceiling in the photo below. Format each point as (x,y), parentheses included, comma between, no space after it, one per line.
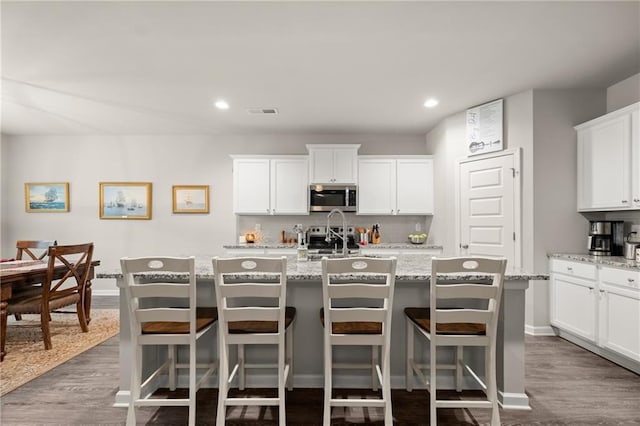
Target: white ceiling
(156,67)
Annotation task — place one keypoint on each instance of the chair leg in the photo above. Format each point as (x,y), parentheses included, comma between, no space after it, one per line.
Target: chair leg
(492,392)
(223,383)
(374,361)
(46,332)
(192,382)
(136,379)
(282,413)
(386,387)
(326,416)
(432,384)
(409,361)
(241,370)
(459,350)
(289,359)
(82,319)
(171,354)
(18,317)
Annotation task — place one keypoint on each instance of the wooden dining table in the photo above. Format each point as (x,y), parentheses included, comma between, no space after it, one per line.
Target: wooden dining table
(19,274)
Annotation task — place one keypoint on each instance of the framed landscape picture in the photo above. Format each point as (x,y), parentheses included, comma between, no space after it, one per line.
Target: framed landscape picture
(125,200)
(46,197)
(191,198)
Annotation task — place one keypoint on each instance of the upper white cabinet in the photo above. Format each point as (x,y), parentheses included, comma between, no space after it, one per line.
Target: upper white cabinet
(329,163)
(609,161)
(395,185)
(268,185)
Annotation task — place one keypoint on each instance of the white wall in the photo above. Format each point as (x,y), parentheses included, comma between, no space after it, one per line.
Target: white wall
(623,93)
(85,161)
(540,123)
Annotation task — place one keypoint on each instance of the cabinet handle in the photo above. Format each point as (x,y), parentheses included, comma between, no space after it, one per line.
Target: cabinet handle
(624,201)
(635,200)
(591,288)
(464,246)
(569,268)
(601,291)
(630,280)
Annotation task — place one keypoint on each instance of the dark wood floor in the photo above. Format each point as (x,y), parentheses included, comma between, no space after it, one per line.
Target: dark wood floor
(566,385)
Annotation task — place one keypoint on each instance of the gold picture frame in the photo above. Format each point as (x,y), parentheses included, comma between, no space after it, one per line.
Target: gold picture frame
(125,200)
(46,197)
(190,198)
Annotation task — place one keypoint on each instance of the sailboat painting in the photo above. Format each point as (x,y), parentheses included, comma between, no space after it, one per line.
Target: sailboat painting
(125,200)
(191,198)
(46,197)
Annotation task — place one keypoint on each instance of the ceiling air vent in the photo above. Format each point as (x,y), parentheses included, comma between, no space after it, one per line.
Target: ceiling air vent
(262,111)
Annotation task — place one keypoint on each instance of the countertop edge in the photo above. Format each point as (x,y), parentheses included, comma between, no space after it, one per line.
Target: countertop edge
(614,261)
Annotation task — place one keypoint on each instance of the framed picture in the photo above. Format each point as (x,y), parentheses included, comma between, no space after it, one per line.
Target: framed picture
(191,198)
(484,128)
(125,200)
(46,197)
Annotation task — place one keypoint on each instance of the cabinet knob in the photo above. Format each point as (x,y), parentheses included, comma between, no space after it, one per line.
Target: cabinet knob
(591,288)
(464,246)
(624,201)
(636,200)
(630,280)
(569,268)
(601,291)
(391,211)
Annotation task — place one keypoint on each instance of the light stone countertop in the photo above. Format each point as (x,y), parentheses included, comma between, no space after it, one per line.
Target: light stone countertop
(403,246)
(616,261)
(410,267)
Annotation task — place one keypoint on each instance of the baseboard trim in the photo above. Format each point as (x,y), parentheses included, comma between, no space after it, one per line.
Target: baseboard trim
(545,330)
(514,401)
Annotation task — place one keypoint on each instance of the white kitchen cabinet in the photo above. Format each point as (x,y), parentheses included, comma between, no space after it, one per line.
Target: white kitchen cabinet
(330,163)
(609,161)
(270,185)
(619,311)
(395,185)
(573,298)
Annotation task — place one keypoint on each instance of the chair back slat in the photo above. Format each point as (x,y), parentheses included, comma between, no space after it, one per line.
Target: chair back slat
(27,247)
(357,265)
(252,314)
(374,291)
(177,290)
(252,289)
(466,291)
(463,315)
(157,301)
(162,314)
(249,265)
(488,293)
(358,314)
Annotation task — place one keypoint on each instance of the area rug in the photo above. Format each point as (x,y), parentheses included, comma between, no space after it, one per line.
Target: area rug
(26,357)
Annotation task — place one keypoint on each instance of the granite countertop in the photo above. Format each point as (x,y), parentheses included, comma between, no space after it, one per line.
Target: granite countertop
(410,267)
(402,246)
(616,261)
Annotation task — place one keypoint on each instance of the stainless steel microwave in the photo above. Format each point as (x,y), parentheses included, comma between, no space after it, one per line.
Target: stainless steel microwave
(324,198)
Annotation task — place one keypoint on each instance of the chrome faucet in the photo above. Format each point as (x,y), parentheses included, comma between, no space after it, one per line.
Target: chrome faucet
(330,231)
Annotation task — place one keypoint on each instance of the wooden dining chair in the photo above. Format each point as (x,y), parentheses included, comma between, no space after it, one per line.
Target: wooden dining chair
(458,327)
(35,249)
(253,312)
(358,314)
(67,273)
(165,313)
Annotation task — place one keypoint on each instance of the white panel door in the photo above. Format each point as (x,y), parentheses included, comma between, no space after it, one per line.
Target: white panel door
(487,208)
(377,188)
(251,186)
(414,186)
(289,189)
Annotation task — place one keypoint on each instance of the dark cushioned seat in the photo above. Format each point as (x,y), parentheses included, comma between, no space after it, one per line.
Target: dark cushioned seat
(242,327)
(353,327)
(421,317)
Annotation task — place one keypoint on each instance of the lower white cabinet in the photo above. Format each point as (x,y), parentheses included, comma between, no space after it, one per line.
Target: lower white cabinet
(619,306)
(574,298)
(600,305)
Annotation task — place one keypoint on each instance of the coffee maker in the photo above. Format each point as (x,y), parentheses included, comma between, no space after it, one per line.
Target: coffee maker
(606,238)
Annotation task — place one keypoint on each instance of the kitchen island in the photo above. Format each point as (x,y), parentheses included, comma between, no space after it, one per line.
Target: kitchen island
(304,291)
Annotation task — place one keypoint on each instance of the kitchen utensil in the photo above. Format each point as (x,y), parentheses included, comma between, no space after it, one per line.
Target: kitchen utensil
(630,247)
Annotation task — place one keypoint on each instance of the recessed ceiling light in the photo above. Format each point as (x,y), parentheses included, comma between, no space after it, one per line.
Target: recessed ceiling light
(430,103)
(221,104)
